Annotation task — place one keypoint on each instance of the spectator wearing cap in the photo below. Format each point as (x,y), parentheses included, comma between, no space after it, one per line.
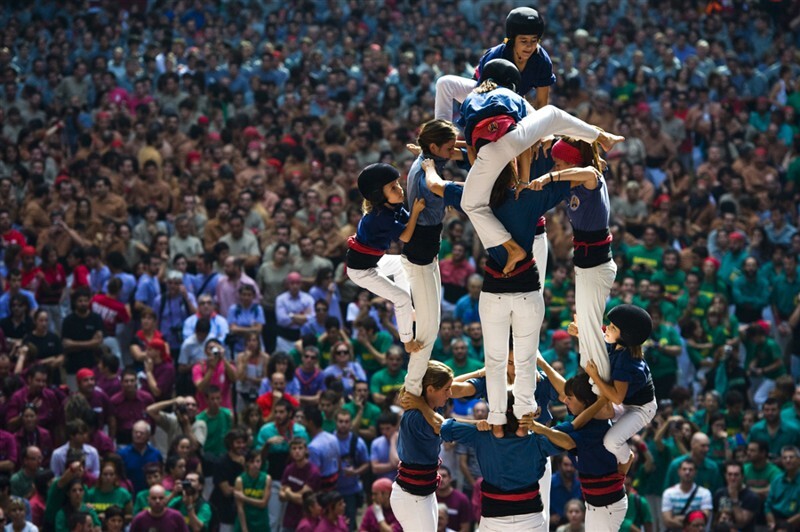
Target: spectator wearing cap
(81,335)
(97,399)
(159,370)
(129,406)
(139,453)
(379,514)
(77,435)
(562,350)
(205,309)
(750,292)
(293,308)
(712,284)
(173,307)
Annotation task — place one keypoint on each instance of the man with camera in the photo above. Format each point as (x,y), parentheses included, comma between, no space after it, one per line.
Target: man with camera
(192,506)
(183,422)
(215,370)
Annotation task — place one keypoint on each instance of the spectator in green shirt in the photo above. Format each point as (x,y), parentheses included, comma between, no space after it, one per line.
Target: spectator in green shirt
(712,284)
(562,350)
(655,298)
(363,412)
(785,290)
(461,363)
(219,421)
(371,345)
(441,347)
(107,492)
(763,360)
(391,378)
(759,472)
(733,259)
(646,258)
(474,340)
(625,294)
(670,275)
(661,352)
(153,474)
(191,505)
(329,403)
(708,474)
(692,303)
(701,349)
(784,492)
(638,514)
(750,293)
(557,285)
(773,430)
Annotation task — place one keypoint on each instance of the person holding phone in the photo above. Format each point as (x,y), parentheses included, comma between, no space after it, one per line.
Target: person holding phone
(215,370)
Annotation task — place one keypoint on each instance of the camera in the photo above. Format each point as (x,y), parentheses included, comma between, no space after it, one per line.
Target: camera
(216,351)
(181,408)
(186,484)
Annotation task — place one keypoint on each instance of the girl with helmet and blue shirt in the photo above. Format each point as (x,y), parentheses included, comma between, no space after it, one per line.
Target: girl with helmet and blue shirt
(524,29)
(631,384)
(385,220)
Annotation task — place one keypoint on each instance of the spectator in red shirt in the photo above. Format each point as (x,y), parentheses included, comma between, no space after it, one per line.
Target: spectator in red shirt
(30,273)
(130,405)
(45,400)
(32,434)
(107,373)
(97,398)
(113,313)
(455,271)
(10,235)
(159,370)
(278,382)
(51,281)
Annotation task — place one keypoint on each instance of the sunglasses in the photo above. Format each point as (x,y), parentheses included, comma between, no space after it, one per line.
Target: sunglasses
(342,352)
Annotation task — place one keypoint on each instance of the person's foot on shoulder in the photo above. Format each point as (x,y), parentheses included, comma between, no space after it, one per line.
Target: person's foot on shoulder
(412,346)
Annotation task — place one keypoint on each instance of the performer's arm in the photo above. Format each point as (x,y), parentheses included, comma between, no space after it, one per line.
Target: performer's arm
(555,436)
(555,378)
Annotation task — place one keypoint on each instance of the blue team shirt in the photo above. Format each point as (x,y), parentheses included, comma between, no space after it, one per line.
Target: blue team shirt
(417,444)
(588,210)
(625,368)
(416,187)
(590,456)
(509,463)
(519,216)
(382,226)
(545,394)
(323,452)
(500,101)
(538,71)
(128,286)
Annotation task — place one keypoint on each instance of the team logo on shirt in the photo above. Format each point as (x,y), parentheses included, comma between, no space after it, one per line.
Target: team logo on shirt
(574,203)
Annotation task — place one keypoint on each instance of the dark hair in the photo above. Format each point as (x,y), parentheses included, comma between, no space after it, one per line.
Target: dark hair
(313,415)
(387,418)
(580,388)
(438,132)
(114,511)
(41,481)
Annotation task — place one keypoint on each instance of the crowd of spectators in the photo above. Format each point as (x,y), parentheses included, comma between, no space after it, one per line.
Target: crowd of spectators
(177,185)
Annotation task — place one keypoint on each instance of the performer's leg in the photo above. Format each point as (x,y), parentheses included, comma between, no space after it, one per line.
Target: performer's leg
(495,311)
(425,282)
(376,281)
(592,286)
(540,253)
(527,314)
(414,512)
(544,491)
(450,89)
(632,421)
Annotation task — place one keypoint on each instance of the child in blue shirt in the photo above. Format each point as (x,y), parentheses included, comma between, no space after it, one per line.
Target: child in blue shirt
(385,220)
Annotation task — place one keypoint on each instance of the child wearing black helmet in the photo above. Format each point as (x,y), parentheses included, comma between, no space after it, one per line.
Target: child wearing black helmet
(385,220)
(631,383)
(524,30)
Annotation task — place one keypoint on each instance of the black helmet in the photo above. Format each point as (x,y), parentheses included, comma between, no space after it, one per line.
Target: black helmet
(524,21)
(503,72)
(634,324)
(372,179)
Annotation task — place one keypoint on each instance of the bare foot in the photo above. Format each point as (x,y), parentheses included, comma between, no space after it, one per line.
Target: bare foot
(608,140)
(497,431)
(515,254)
(623,468)
(412,346)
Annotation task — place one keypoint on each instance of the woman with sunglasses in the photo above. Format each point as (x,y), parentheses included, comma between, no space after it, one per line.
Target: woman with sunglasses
(343,368)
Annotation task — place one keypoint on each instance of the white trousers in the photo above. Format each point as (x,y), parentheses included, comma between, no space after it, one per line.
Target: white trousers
(426,292)
(540,253)
(493,157)
(592,286)
(514,523)
(449,89)
(396,290)
(606,518)
(544,491)
(632,421)
(414,513)
(523,312)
